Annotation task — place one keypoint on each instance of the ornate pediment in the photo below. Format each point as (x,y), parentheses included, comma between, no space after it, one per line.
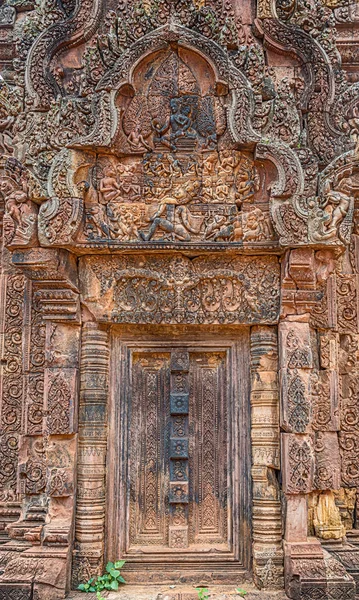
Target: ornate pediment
(163,127)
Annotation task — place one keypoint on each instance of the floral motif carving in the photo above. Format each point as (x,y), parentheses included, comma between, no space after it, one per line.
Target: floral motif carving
(175,290)
(12,385)
(298,405)
(59,397)
(300,464)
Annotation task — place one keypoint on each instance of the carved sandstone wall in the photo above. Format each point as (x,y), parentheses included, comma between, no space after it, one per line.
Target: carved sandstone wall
(179,196)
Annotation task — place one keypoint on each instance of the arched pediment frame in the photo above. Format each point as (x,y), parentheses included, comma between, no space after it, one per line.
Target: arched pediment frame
(230,82)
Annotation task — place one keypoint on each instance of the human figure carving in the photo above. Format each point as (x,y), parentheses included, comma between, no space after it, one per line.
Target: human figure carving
(354,128)
(336,204)
(181,120)
(20,211)
(209,164)
(137,141)
(228,162)
(6,122)
(96,219)
(179,196)
(109,187)
(256,227)
(179,123)
(231,231)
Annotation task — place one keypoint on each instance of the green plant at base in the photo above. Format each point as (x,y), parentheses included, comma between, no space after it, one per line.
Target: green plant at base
(203,593)
(99,596)
(241,592)
(109,581)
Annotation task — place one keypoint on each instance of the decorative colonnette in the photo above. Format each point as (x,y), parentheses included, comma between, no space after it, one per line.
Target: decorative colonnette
(267,512)
(91,490)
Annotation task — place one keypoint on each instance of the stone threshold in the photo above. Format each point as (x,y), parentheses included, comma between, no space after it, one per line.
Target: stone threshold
(178,592)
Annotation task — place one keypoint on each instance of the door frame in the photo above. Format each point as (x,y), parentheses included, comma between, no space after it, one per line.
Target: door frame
(235,341)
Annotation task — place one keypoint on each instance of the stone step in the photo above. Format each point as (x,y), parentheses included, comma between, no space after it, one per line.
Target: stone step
(158,592)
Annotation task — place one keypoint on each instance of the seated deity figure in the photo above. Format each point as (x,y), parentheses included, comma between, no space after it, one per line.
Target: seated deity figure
(181,120)
(160,130)
(137,141)
(228,162)
(180,125)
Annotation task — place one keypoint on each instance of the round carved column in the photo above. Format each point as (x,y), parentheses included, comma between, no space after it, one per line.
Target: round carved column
(91,498)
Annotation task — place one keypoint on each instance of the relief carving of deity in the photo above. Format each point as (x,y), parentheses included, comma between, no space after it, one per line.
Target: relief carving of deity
(170,178)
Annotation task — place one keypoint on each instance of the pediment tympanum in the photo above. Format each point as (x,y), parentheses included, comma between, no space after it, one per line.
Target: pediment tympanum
(158,141)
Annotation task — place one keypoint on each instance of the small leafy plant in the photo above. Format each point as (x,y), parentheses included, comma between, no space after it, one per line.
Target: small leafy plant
(241,592)
(203,593)
(109,581)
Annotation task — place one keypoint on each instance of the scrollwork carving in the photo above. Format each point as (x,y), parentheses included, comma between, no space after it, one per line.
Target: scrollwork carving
(178,290)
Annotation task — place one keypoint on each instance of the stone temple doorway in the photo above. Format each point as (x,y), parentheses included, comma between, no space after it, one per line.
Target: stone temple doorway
(179,458)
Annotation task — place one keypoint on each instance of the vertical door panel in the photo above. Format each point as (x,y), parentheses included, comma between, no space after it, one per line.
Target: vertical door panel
(148,476)
(179,485)
(209,449)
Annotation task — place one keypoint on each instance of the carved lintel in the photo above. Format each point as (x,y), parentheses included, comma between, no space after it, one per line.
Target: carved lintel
(175,289)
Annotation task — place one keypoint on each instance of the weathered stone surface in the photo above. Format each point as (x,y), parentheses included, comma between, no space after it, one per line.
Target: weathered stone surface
(179,284)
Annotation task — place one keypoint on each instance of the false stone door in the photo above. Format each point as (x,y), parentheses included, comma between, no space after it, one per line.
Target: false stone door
(181,457)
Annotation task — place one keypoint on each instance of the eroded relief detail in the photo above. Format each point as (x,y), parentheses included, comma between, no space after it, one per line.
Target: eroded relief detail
(167,168)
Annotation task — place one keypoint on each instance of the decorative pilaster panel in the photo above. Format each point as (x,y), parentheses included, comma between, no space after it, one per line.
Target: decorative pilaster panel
(47,448)
(32,465)
(298,463)
(267,523)
(12,314)
(295,363)
(12,327)
(349,409)
(35,375)
(91,499)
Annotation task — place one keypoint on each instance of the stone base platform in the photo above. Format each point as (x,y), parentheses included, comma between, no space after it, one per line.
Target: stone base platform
(158,592)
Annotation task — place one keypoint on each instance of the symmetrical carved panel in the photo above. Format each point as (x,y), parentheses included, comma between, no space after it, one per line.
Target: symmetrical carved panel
(191,163)
(180,494)
(212,289)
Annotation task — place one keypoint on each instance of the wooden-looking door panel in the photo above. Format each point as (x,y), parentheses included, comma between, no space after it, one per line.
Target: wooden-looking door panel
(181,463)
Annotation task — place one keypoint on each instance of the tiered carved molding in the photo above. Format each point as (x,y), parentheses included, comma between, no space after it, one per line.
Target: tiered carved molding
(168,170)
